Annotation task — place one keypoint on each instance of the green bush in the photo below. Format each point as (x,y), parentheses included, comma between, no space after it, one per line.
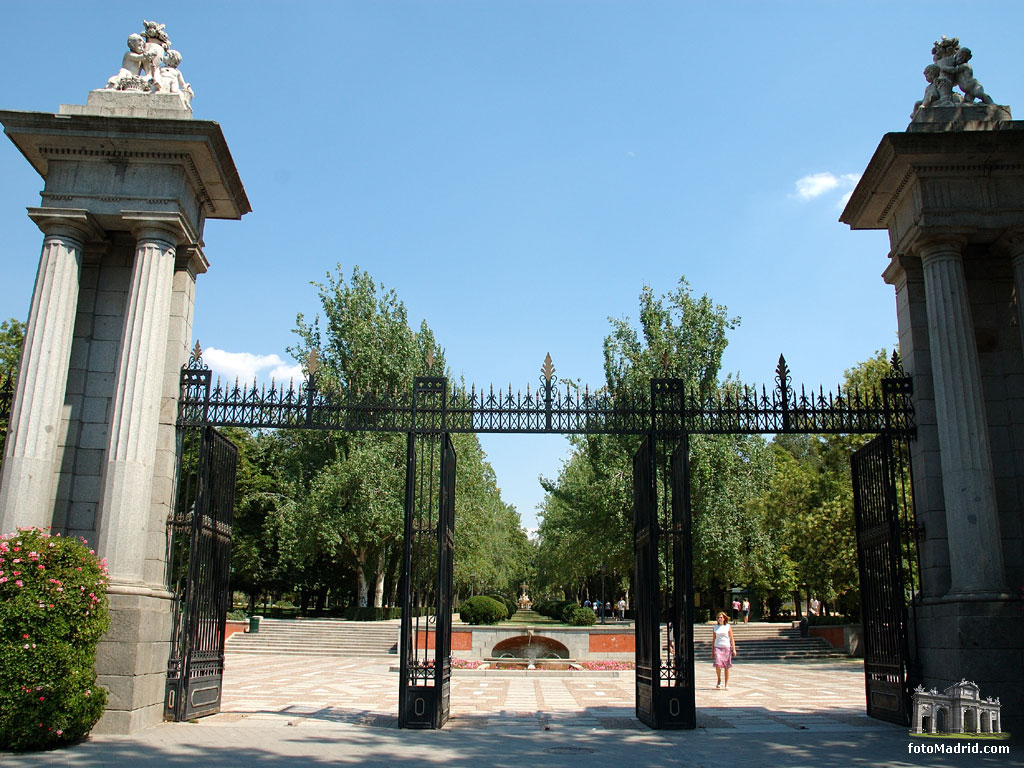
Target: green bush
(702,615)
(53,612)
(579,616)
(483,610)
(509,603)
(237,615)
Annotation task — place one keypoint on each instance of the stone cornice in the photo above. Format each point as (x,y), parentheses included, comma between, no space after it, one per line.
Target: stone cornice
(198,145)
(900,158)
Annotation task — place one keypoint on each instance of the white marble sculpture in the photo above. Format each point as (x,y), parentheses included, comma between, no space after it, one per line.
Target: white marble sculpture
(949,69)
(135,66)
(150,65)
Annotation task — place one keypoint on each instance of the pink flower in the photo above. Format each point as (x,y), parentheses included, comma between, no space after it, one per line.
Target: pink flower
(19,583)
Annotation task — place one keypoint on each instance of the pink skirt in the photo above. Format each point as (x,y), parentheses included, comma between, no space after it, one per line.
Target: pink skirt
(723,657)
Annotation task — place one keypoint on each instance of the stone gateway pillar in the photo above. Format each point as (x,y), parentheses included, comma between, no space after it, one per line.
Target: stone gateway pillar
(130,180)
(950,192)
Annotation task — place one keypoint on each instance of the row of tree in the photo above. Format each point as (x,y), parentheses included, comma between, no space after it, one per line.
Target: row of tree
(773,517)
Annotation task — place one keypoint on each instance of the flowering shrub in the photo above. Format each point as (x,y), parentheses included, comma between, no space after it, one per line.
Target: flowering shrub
(465,663)
(608,665)
(53,612)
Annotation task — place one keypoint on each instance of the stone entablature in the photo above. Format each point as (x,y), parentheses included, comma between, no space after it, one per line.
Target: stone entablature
(958,709)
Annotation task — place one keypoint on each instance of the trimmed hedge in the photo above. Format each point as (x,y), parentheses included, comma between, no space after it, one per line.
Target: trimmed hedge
(53,612)
(578,616)
(483,610)
(510,605)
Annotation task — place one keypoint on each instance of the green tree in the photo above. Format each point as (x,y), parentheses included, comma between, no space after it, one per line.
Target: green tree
(12,339)
(808,504)
(588,512)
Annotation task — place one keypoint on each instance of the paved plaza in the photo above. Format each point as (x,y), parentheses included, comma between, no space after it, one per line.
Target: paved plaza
(280,712)
(301,691)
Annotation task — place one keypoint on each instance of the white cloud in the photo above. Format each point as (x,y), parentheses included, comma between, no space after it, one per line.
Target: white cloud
(245,366)
(817,184)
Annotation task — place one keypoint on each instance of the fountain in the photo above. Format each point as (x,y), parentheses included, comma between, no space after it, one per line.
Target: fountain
(530,651)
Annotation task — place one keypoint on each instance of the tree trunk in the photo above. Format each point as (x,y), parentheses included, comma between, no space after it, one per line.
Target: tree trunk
(796,602)
(378,587)
(362,588)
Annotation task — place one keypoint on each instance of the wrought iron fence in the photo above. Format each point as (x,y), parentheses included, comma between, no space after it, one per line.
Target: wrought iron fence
(551,408)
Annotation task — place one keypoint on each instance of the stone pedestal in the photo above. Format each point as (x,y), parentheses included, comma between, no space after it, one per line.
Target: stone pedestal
(92,442)
(952,200)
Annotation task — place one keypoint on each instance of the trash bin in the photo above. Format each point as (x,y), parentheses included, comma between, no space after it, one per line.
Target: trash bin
(254,624)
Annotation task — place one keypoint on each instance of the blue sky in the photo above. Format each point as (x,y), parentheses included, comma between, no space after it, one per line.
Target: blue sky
(518,170)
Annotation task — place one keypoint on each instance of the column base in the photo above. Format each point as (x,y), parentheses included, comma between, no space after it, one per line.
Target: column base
(131,661)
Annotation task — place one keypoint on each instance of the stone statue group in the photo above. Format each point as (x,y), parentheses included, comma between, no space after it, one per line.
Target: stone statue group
(950,69)
(150,65)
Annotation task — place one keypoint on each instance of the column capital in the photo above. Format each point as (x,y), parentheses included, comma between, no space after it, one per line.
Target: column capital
(928,247)
(76,223)
(1011,244)
(164,225)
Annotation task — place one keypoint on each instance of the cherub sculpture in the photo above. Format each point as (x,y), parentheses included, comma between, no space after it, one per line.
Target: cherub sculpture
(948,70)
(133,66)
(150,64)
(962,75)
(169,79)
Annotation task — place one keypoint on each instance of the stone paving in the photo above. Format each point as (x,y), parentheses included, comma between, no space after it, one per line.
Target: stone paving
(762,696)
(295,711)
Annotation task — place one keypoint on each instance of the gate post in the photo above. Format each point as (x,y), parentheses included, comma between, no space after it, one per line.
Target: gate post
(425,665)
(130,180)
(665,696)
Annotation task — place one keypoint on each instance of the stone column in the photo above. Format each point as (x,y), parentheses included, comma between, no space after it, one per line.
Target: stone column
(975,547)
(31,459)
(126,500)
(1015,246)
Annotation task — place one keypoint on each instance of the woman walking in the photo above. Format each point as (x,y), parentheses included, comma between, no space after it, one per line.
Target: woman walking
(724,648)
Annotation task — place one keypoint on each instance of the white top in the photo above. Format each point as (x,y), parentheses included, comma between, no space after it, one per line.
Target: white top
(722,636)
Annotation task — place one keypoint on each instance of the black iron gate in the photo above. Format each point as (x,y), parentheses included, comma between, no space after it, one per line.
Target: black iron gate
(665,417)
(200,569)
(877,503)
(426,578)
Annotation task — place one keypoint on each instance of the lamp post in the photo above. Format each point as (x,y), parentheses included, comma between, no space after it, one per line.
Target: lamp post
(602,592)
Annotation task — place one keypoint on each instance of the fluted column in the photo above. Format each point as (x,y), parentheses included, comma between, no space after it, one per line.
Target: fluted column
(31,460)
(126,502)
(975,548)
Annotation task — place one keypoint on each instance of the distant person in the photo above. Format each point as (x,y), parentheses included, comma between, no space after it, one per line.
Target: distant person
(622,608)
(746,610)
(723,649)
(815,606)
(608,610)
(586,603)
(735,609)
